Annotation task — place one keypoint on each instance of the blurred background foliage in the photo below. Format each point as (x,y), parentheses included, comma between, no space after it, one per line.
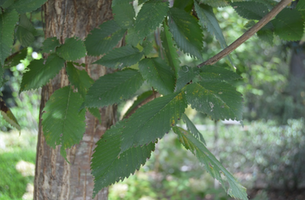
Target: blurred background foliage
(266,154)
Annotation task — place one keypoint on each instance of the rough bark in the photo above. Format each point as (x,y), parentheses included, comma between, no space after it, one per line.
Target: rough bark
(54,177)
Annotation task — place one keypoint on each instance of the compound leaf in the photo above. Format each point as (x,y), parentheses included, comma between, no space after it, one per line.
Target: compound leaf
(25,31)
(50,44)
(289,25)
(123,12)
(186,32)
(121,57)
(109,165)
(158,74)
(192,128)
(103,39)
(217,99)
(186,75)
(208,20)
(215,73)
(170,50)
(79,78)
(218,3)
(72,49)
(63,123)
(113,88)
(23,6)
(152,120)
(250,9)
(41,73)
(211,164)
(149,18)
(7,26)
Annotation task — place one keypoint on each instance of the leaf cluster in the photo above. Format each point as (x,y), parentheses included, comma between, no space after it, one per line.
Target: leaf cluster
(155,36)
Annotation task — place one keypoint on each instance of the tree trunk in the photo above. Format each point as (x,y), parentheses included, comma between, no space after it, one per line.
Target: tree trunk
(54,177)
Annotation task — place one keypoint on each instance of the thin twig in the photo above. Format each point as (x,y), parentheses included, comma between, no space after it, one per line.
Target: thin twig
(280,6)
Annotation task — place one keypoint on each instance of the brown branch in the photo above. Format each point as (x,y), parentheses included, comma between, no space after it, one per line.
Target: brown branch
(280,6)
(145,101)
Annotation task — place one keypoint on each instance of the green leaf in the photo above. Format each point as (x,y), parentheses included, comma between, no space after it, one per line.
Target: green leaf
(301,5)
(72,49)
(141,100)
(41,73)
(123,12)
(186,5)
(157,74)
(8,115)
(121,57)
(192,128)
(250,9)
(23,6)
(150,16)
(14,59)
(50,44)
(214,73)
(208,20)
(79,78)
(114,88)
(25,31)
(62,122)
(218,3)
(211,164)
(1,77)
(266,33)
(7,27)
(289,25)
(96,113)
(5,4)
(186,32)
(152,120)
(109,166)
(186,75)
(217,99)
(170,50)
(103,39)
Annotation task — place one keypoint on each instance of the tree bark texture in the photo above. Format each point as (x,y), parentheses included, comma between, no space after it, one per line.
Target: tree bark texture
(55,179)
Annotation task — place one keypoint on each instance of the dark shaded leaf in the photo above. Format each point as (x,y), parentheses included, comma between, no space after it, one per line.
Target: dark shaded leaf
(114,88)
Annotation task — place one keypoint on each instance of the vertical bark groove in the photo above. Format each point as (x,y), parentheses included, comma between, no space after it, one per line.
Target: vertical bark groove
(54,177)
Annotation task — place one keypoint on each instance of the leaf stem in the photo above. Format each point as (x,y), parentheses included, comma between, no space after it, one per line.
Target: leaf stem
(280,6)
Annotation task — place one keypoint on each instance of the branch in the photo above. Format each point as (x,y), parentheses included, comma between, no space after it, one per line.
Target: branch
(280,6)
